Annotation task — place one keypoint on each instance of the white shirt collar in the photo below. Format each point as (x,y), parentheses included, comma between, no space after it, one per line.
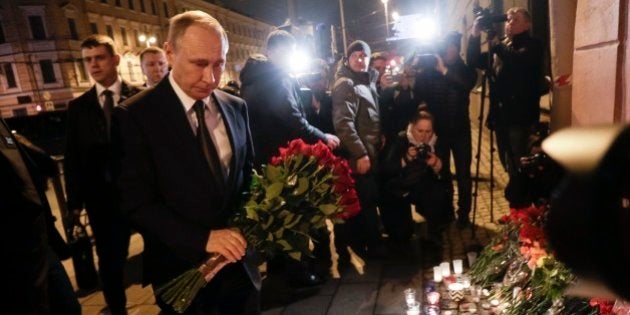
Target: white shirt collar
(186,100)
(116,87)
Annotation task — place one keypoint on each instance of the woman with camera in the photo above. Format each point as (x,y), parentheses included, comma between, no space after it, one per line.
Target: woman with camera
(413,174)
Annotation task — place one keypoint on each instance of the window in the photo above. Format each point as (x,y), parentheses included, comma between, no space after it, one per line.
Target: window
(82,72)
(110,31)
(131,7)
(9,75)
(94,28)
(153,9)
(118,3)
(123,33)
(37,27)
(137,37)
(165,9)
(73,29)
(104,1)
(130,67)
(2,38)
(48,73)
(142,8)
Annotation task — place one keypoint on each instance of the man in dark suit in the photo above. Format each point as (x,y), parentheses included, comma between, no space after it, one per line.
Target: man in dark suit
(89,182)
(185,157)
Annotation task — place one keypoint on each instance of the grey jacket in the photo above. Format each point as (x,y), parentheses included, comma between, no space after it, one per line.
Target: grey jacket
(356,115)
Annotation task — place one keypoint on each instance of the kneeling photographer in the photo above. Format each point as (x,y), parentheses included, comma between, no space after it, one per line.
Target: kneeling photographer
(412,173)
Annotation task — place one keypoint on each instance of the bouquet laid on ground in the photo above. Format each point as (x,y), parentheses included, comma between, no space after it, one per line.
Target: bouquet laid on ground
(302,187)
(530,280)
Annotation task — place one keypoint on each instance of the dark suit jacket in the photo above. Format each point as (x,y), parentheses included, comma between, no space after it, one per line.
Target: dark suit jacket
(87,157)
(166,185)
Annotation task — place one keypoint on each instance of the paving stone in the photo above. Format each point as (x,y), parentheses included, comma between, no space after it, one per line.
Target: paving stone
(354,298)
(314,305)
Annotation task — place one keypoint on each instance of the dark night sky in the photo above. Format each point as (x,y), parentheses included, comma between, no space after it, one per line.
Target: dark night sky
(364,18)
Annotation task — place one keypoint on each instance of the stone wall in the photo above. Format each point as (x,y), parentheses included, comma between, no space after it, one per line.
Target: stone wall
(600,70)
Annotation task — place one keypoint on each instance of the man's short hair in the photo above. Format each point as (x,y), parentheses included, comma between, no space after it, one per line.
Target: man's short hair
(379,56)
(96,40)
(279,38)
(151,50)
(522,11)
(179,23)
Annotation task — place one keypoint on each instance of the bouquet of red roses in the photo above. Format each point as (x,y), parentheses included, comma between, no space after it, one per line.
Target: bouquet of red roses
(302,187)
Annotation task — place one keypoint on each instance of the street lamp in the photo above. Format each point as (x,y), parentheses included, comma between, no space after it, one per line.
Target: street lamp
(386,18)
(147,40)
(395,16)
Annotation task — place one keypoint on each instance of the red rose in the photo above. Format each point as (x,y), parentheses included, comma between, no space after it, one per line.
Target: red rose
(531,233)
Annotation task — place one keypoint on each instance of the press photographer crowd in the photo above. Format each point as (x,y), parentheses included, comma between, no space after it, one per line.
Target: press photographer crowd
(174,159)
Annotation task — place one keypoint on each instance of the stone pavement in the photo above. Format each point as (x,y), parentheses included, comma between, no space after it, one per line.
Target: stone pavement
(374,287)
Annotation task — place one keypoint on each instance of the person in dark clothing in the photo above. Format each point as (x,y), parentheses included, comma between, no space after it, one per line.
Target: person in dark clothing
(37,282)
(88,169)
(446,91)
(319,113)
(414,174)
(62,299)
(357,123)
(277,116)
(275,109)
(515,73)
(399,104)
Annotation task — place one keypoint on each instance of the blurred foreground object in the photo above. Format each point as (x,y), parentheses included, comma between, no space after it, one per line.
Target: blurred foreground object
(590,209)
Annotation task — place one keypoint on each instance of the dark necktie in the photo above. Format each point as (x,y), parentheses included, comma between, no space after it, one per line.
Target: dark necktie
(108,108)
(206,145)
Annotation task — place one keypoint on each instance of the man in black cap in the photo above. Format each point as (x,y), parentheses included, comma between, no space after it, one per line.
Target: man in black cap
(357,123)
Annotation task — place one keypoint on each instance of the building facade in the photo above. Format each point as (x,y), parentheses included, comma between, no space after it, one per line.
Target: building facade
(40,57)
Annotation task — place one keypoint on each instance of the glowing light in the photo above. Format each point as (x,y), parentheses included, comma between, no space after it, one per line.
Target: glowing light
(142,38)
(298,61)
(38,108)
(395,16)
(425,29)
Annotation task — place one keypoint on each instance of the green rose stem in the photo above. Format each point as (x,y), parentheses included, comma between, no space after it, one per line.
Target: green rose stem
(181,291)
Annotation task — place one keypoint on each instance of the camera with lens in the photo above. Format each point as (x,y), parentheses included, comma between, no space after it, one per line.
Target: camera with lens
(534,165)
(488,19)
(422,151)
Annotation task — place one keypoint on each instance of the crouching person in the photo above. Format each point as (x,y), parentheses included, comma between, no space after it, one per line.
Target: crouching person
(413,174)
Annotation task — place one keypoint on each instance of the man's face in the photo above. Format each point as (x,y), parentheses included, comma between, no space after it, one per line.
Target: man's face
(198,61)
(516,24)
(359,61)
(101,64)
(154,67)
(379,65)
(422,130)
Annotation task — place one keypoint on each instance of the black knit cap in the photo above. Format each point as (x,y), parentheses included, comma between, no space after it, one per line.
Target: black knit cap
(358,45)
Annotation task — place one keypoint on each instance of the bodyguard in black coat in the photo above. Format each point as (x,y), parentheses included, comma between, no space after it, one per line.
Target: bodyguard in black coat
(178,181)
(88,173)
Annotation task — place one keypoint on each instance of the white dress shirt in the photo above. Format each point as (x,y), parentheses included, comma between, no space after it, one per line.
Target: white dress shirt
(115,88)
(214,124)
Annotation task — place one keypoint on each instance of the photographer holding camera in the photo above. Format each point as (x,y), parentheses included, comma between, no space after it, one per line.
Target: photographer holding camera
(514,70)
(413,173)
